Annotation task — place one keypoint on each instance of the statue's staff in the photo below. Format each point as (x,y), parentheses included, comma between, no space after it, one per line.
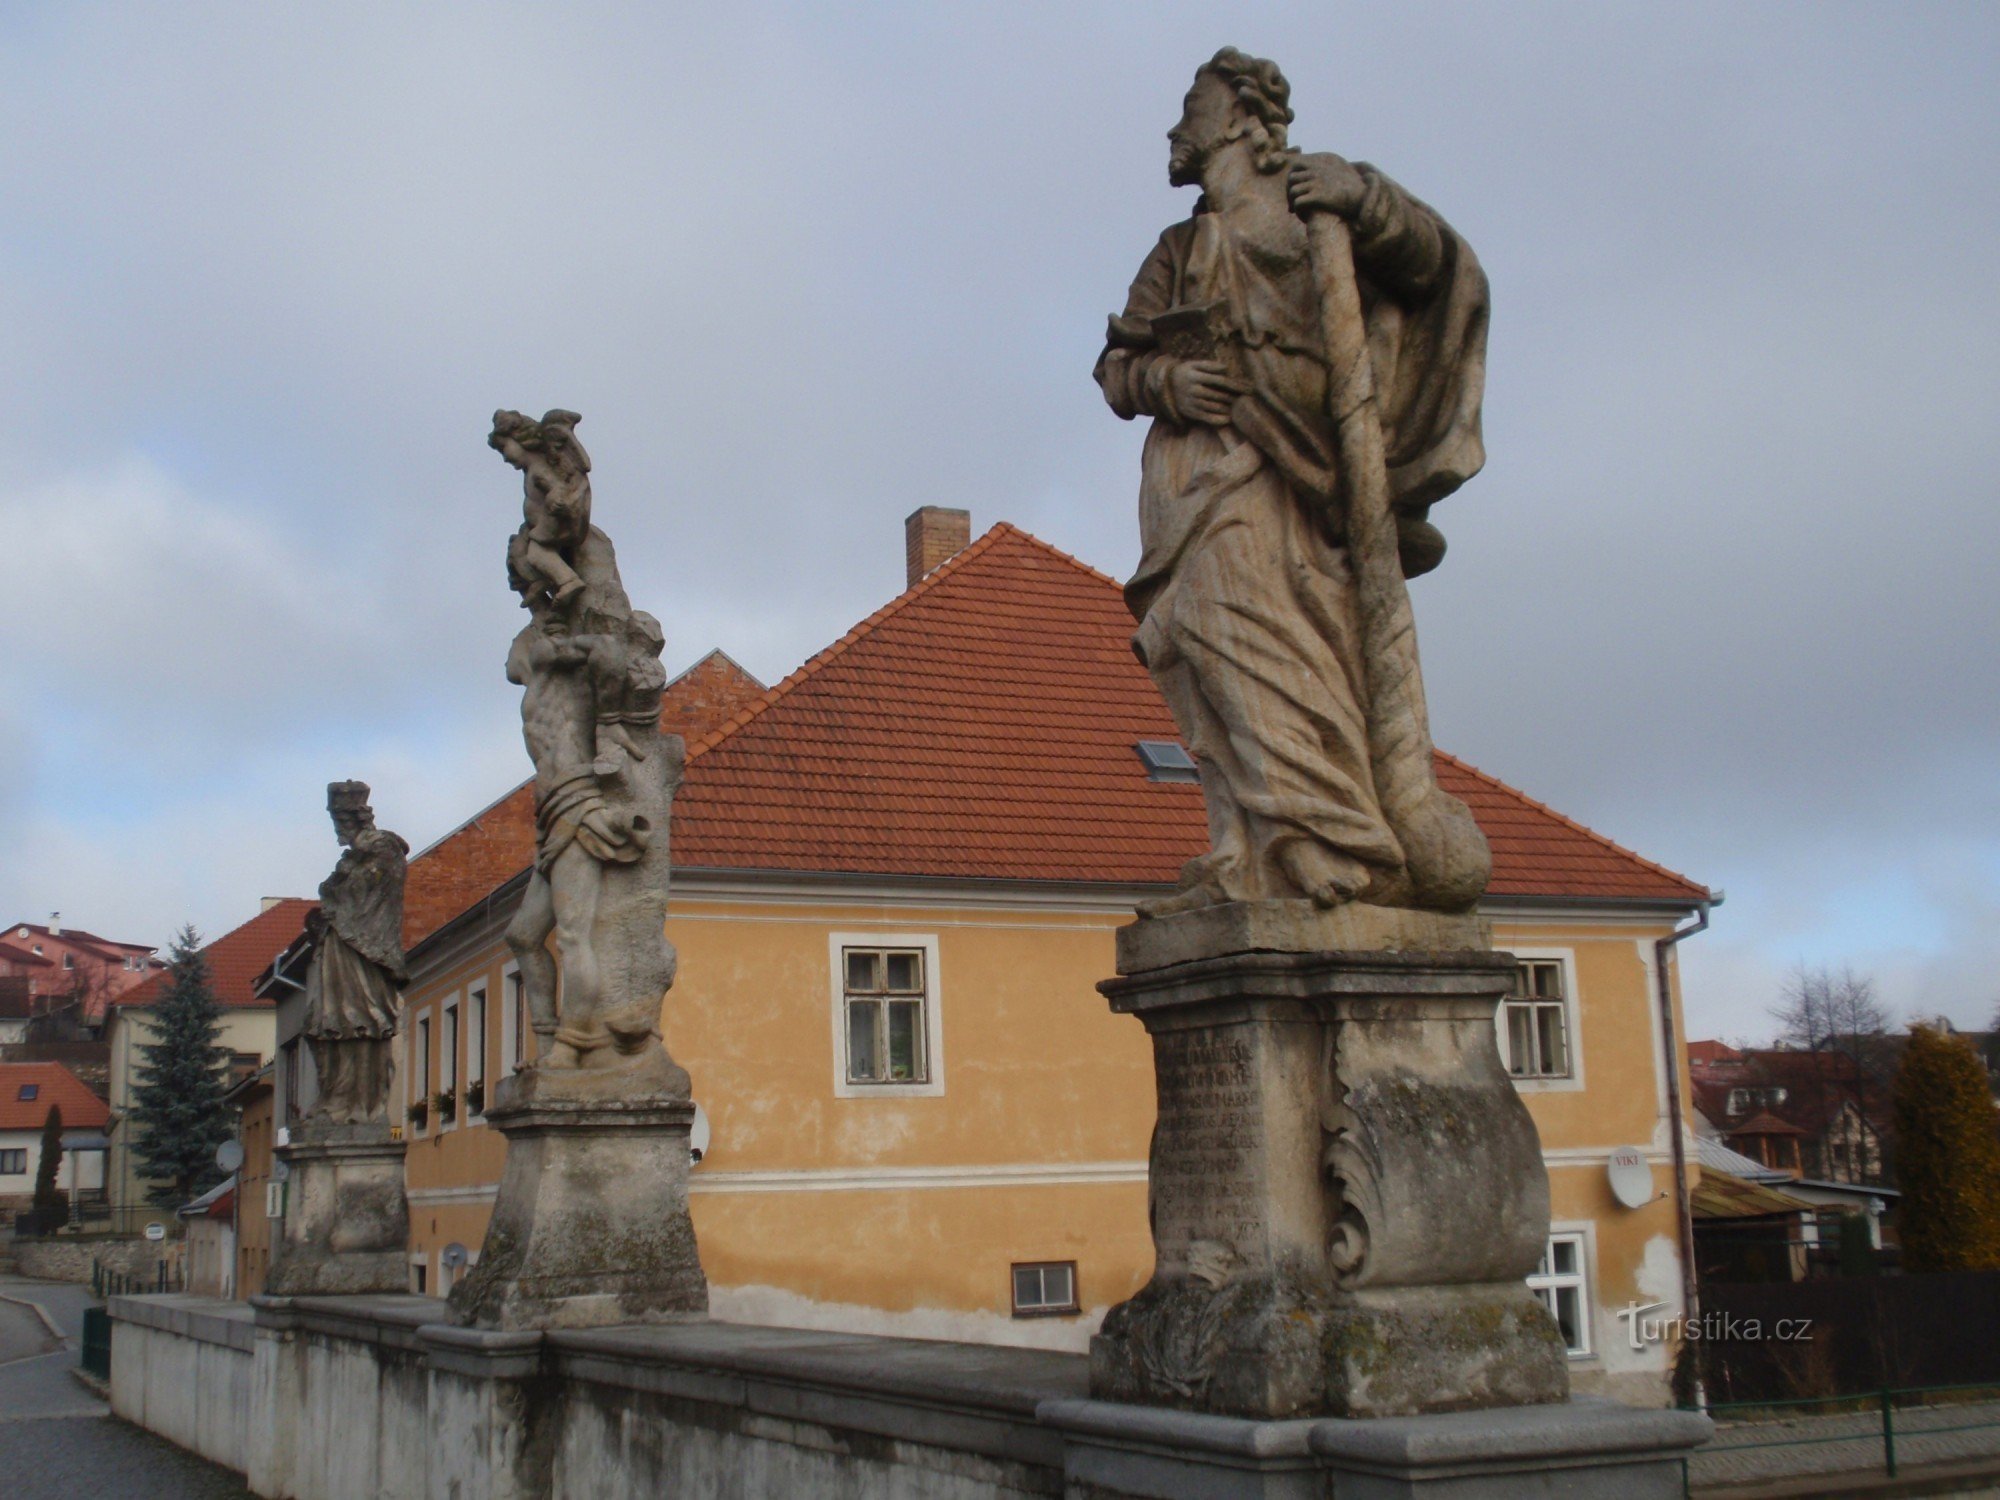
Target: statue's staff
(1432,828)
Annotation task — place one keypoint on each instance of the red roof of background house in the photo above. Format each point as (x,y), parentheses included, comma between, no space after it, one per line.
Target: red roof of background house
(983,725)
(496,844)
(1765,1123)
(236,958)
(53,1084)
(81,938)
(1711,1053)
(14,953)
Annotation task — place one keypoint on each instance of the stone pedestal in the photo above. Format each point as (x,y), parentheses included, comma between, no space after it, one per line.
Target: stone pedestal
(346,1227)
(1347,1194)
(590,1227)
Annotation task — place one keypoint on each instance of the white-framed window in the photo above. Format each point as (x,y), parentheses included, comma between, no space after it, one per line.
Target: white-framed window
(514,1028)
(14,1162)
(1562,1281)
(420,1073)
(888,1035)
(475,1050)
(1045,1289)
(1537,1021)
(449,1038)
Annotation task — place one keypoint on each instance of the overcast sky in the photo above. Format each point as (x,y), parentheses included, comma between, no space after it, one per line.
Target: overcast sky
(1723,592)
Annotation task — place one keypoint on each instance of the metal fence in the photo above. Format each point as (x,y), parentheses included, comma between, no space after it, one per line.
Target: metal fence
(164,1277)
(1884,1432)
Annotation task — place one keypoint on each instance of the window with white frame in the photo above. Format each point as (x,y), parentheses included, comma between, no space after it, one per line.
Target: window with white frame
(886,1027)
(475,1050)
(420,1072)
(886,1041)
(14,1163)
(448,1039)
(1044,1289)
(1534,1021)
(1563,1285)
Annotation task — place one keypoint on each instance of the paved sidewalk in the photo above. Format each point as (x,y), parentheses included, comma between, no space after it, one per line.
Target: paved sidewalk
(1849,1444)
(59,1442)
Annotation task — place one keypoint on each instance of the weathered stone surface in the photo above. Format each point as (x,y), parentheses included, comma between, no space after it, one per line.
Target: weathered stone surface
(1346,1192)
(384,1404)
(590,1227)
(1284,495)
(1581,1450)
(1296,927)
(346,1226)
(354,985)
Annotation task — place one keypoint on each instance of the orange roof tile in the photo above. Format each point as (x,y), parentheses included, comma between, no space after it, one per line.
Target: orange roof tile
(236,958)
(983,724)
(51,1083)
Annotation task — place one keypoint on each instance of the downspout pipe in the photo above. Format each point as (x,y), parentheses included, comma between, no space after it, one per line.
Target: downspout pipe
(1676,1124)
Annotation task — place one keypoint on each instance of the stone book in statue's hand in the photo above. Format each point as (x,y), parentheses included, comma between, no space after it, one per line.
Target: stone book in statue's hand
(1194,331)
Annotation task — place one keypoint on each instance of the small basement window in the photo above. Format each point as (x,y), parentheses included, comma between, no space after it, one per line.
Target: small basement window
(1045,1289)
(1165,760)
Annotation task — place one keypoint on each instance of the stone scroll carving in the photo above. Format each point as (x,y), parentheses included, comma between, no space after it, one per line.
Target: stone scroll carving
(589,668)
(355,981)
(1310,346)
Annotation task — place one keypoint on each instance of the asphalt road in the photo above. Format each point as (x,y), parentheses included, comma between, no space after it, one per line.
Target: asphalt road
(57,1440)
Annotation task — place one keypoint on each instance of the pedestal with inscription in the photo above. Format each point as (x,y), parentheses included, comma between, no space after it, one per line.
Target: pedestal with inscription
(1347,1194)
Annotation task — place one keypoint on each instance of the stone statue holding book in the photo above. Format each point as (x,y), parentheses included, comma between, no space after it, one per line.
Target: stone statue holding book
(1311,348)
(1346,1192)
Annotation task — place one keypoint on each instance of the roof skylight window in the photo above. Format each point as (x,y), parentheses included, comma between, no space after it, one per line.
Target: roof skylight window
(1165,760)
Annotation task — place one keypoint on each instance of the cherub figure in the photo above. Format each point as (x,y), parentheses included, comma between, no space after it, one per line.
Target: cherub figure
(555,473)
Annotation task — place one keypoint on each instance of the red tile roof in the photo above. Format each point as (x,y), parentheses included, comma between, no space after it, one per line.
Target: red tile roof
(982,725)
(79,936)
(236,958)
(14,953)
(53,1084)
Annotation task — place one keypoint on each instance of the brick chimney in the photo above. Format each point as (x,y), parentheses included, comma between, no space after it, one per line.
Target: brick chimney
(932,536)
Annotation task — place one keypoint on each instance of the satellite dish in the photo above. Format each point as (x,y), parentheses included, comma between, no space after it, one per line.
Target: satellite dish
(698,1137)
(1631,1177)
(281,1171)
(229,1155)
(454,1256)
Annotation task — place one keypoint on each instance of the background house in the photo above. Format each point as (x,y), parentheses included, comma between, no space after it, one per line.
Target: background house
(898,875)
(27,1090)
(248,1031)
(1820,1114)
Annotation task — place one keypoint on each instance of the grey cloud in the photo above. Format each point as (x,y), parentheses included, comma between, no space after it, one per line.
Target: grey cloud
(1722,591)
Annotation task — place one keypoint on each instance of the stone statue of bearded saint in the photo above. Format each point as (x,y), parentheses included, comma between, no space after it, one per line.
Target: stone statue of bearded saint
(354,986)
(1282,643)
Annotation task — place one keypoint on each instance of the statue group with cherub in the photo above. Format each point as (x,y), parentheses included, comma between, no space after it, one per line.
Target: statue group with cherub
(589,667)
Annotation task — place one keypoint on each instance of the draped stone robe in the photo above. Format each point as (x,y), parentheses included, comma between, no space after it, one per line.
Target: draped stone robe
(354,985)
(1244,594)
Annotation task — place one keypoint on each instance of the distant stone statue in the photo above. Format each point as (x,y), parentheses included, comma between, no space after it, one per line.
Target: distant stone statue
(354,984)
(589,667)
(1311,347)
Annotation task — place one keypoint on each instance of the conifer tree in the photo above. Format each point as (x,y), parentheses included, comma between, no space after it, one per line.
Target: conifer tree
(47,1200)
(1948,1151)
(177,1101)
